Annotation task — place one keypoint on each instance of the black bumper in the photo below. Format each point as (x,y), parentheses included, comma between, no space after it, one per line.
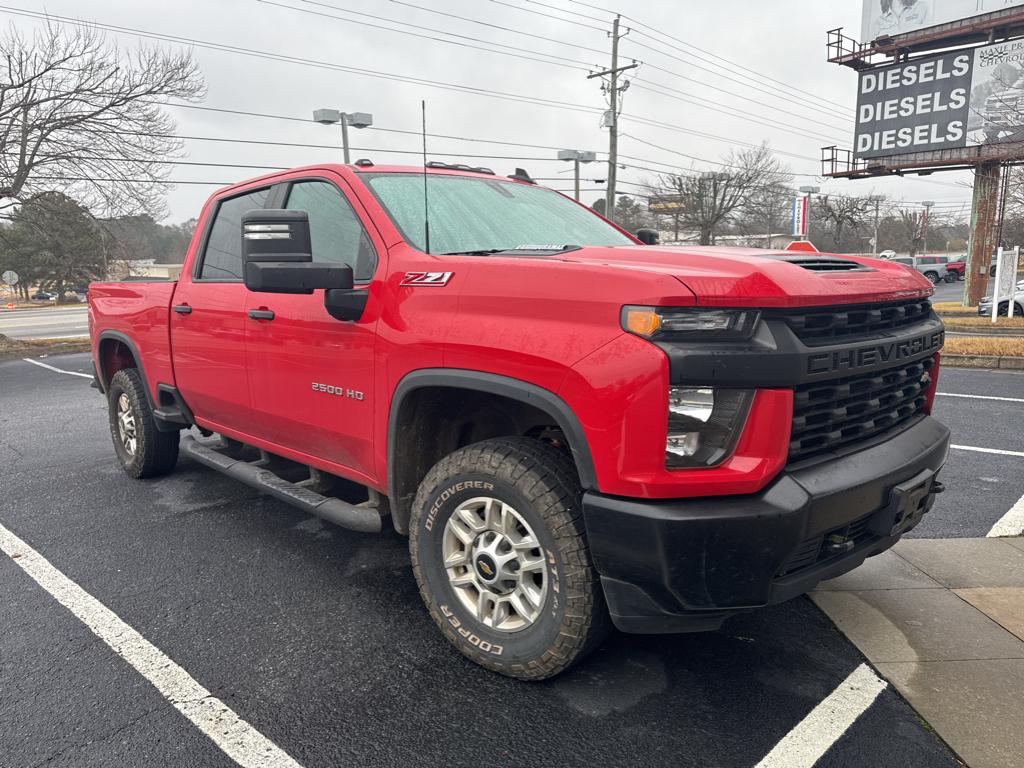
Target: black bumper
(686,565)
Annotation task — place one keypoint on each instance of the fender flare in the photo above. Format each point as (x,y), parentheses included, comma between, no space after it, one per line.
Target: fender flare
(104,383)
(505,386)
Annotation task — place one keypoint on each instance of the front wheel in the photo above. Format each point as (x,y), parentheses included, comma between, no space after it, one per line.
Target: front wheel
(142,449)
(951,277)
(933,276)
(501,558)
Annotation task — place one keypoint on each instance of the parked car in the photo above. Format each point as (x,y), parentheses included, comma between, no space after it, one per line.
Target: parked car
(582,432)
(44,296)
(956,269)
(887,255)
(932,267)
(985,305)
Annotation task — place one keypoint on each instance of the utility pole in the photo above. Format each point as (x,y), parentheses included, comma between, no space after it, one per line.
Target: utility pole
(927,204)
(877,200)
(614,103)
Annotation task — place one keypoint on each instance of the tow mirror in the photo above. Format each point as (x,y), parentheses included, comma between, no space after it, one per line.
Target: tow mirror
(647,236)
(277,255)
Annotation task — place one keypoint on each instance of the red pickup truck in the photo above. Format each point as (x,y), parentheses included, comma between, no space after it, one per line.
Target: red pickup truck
(575,427)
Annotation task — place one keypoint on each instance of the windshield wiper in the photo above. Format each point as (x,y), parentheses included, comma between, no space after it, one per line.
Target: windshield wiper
(484,252)
(518,248)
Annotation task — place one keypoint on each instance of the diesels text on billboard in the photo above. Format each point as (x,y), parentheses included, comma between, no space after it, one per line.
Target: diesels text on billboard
(918,106)
(945,101)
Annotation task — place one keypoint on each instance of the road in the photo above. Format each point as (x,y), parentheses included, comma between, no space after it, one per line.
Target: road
(45,322)
(317,638)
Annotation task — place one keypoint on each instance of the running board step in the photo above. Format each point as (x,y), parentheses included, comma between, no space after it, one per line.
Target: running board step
(357,517)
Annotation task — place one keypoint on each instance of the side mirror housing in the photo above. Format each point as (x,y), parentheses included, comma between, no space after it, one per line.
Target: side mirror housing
(277,255)
(648,236)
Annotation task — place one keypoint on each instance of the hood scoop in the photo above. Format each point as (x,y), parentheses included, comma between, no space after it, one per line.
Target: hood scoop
(823,263)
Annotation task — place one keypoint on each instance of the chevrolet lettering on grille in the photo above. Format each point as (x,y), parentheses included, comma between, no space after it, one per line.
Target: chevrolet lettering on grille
(875,355)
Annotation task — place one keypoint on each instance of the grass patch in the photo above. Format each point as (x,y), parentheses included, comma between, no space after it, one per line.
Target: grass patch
(1011,347)
(35,347)
(954,308)
(978,323)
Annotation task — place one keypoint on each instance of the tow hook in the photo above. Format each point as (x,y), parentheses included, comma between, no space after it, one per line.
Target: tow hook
(937,486)
(838,545)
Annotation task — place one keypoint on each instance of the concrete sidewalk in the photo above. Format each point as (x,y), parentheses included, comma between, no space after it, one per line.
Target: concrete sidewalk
(943,621)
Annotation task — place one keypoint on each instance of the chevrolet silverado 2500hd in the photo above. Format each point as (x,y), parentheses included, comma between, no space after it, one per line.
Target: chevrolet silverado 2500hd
(575,429)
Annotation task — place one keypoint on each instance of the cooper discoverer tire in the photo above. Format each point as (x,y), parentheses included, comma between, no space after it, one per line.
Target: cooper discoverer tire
(486,505)
(142,449)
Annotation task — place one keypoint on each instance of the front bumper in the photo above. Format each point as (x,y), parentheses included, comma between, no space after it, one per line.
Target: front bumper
(686,565)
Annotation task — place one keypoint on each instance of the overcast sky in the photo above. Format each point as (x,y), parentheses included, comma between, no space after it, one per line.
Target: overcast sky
(805,102)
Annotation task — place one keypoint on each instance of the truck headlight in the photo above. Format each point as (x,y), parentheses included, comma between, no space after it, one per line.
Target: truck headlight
(704,425)
(685,323)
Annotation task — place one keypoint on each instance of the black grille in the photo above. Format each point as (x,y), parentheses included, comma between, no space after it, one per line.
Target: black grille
(830,414)
(822,326)
(811,551)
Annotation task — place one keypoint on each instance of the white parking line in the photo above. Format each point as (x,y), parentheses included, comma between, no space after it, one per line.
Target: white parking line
(1010,524)
(58,370)
(235,737)
(983,397)
(976,449)
(813,736)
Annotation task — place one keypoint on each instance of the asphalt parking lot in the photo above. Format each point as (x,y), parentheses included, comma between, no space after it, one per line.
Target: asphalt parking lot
(316,636)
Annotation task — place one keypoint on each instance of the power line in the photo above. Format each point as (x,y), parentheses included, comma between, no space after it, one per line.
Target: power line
(238,50)
(548,15)
(746,83)
(573,63)
(500,27)
(766,122)
(714,55)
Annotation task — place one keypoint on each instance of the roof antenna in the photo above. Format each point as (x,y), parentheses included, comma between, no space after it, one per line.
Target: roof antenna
(426,207)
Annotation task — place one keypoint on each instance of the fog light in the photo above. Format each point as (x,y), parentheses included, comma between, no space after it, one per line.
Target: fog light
(704,425)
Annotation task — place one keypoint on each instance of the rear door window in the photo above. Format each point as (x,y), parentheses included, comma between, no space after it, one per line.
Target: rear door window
(222,254)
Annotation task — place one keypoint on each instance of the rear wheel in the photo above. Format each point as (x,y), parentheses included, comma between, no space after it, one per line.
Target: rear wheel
(951,277)
(933,276)
(142,449)
(501,558)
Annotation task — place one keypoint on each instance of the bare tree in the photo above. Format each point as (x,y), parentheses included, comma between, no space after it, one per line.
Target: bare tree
(839,212)
(709,200)
(767,207)
(77,114)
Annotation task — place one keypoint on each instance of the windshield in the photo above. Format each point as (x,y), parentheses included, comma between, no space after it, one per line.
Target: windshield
(469,214)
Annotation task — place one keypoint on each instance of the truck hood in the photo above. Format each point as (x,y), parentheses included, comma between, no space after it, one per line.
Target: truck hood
(737,277)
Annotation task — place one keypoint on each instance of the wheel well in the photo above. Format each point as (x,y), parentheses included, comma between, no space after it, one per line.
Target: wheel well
(114,355)
(433,421)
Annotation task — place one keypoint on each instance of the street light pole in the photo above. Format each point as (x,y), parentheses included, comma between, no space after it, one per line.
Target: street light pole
(355,119)
(924,225)
(577,156)
(877,200)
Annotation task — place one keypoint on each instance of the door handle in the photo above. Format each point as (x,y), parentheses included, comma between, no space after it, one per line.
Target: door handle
(183,309)
(261,314)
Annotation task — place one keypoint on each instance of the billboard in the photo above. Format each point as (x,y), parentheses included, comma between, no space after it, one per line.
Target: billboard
(896,17)
(945,101)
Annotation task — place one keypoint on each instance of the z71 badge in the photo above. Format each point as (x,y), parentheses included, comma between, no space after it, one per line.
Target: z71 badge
(426,279)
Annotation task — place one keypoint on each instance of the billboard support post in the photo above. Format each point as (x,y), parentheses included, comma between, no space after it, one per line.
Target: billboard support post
(984,210)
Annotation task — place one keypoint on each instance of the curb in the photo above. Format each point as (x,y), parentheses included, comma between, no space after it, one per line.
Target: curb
(983,361)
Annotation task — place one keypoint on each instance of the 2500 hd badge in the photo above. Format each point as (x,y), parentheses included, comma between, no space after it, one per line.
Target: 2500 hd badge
(875,355)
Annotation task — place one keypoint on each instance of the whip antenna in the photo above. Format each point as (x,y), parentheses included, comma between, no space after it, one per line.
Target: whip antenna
(426,206)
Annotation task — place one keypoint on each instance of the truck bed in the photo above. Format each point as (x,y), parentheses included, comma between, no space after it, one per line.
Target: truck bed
(136,314)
